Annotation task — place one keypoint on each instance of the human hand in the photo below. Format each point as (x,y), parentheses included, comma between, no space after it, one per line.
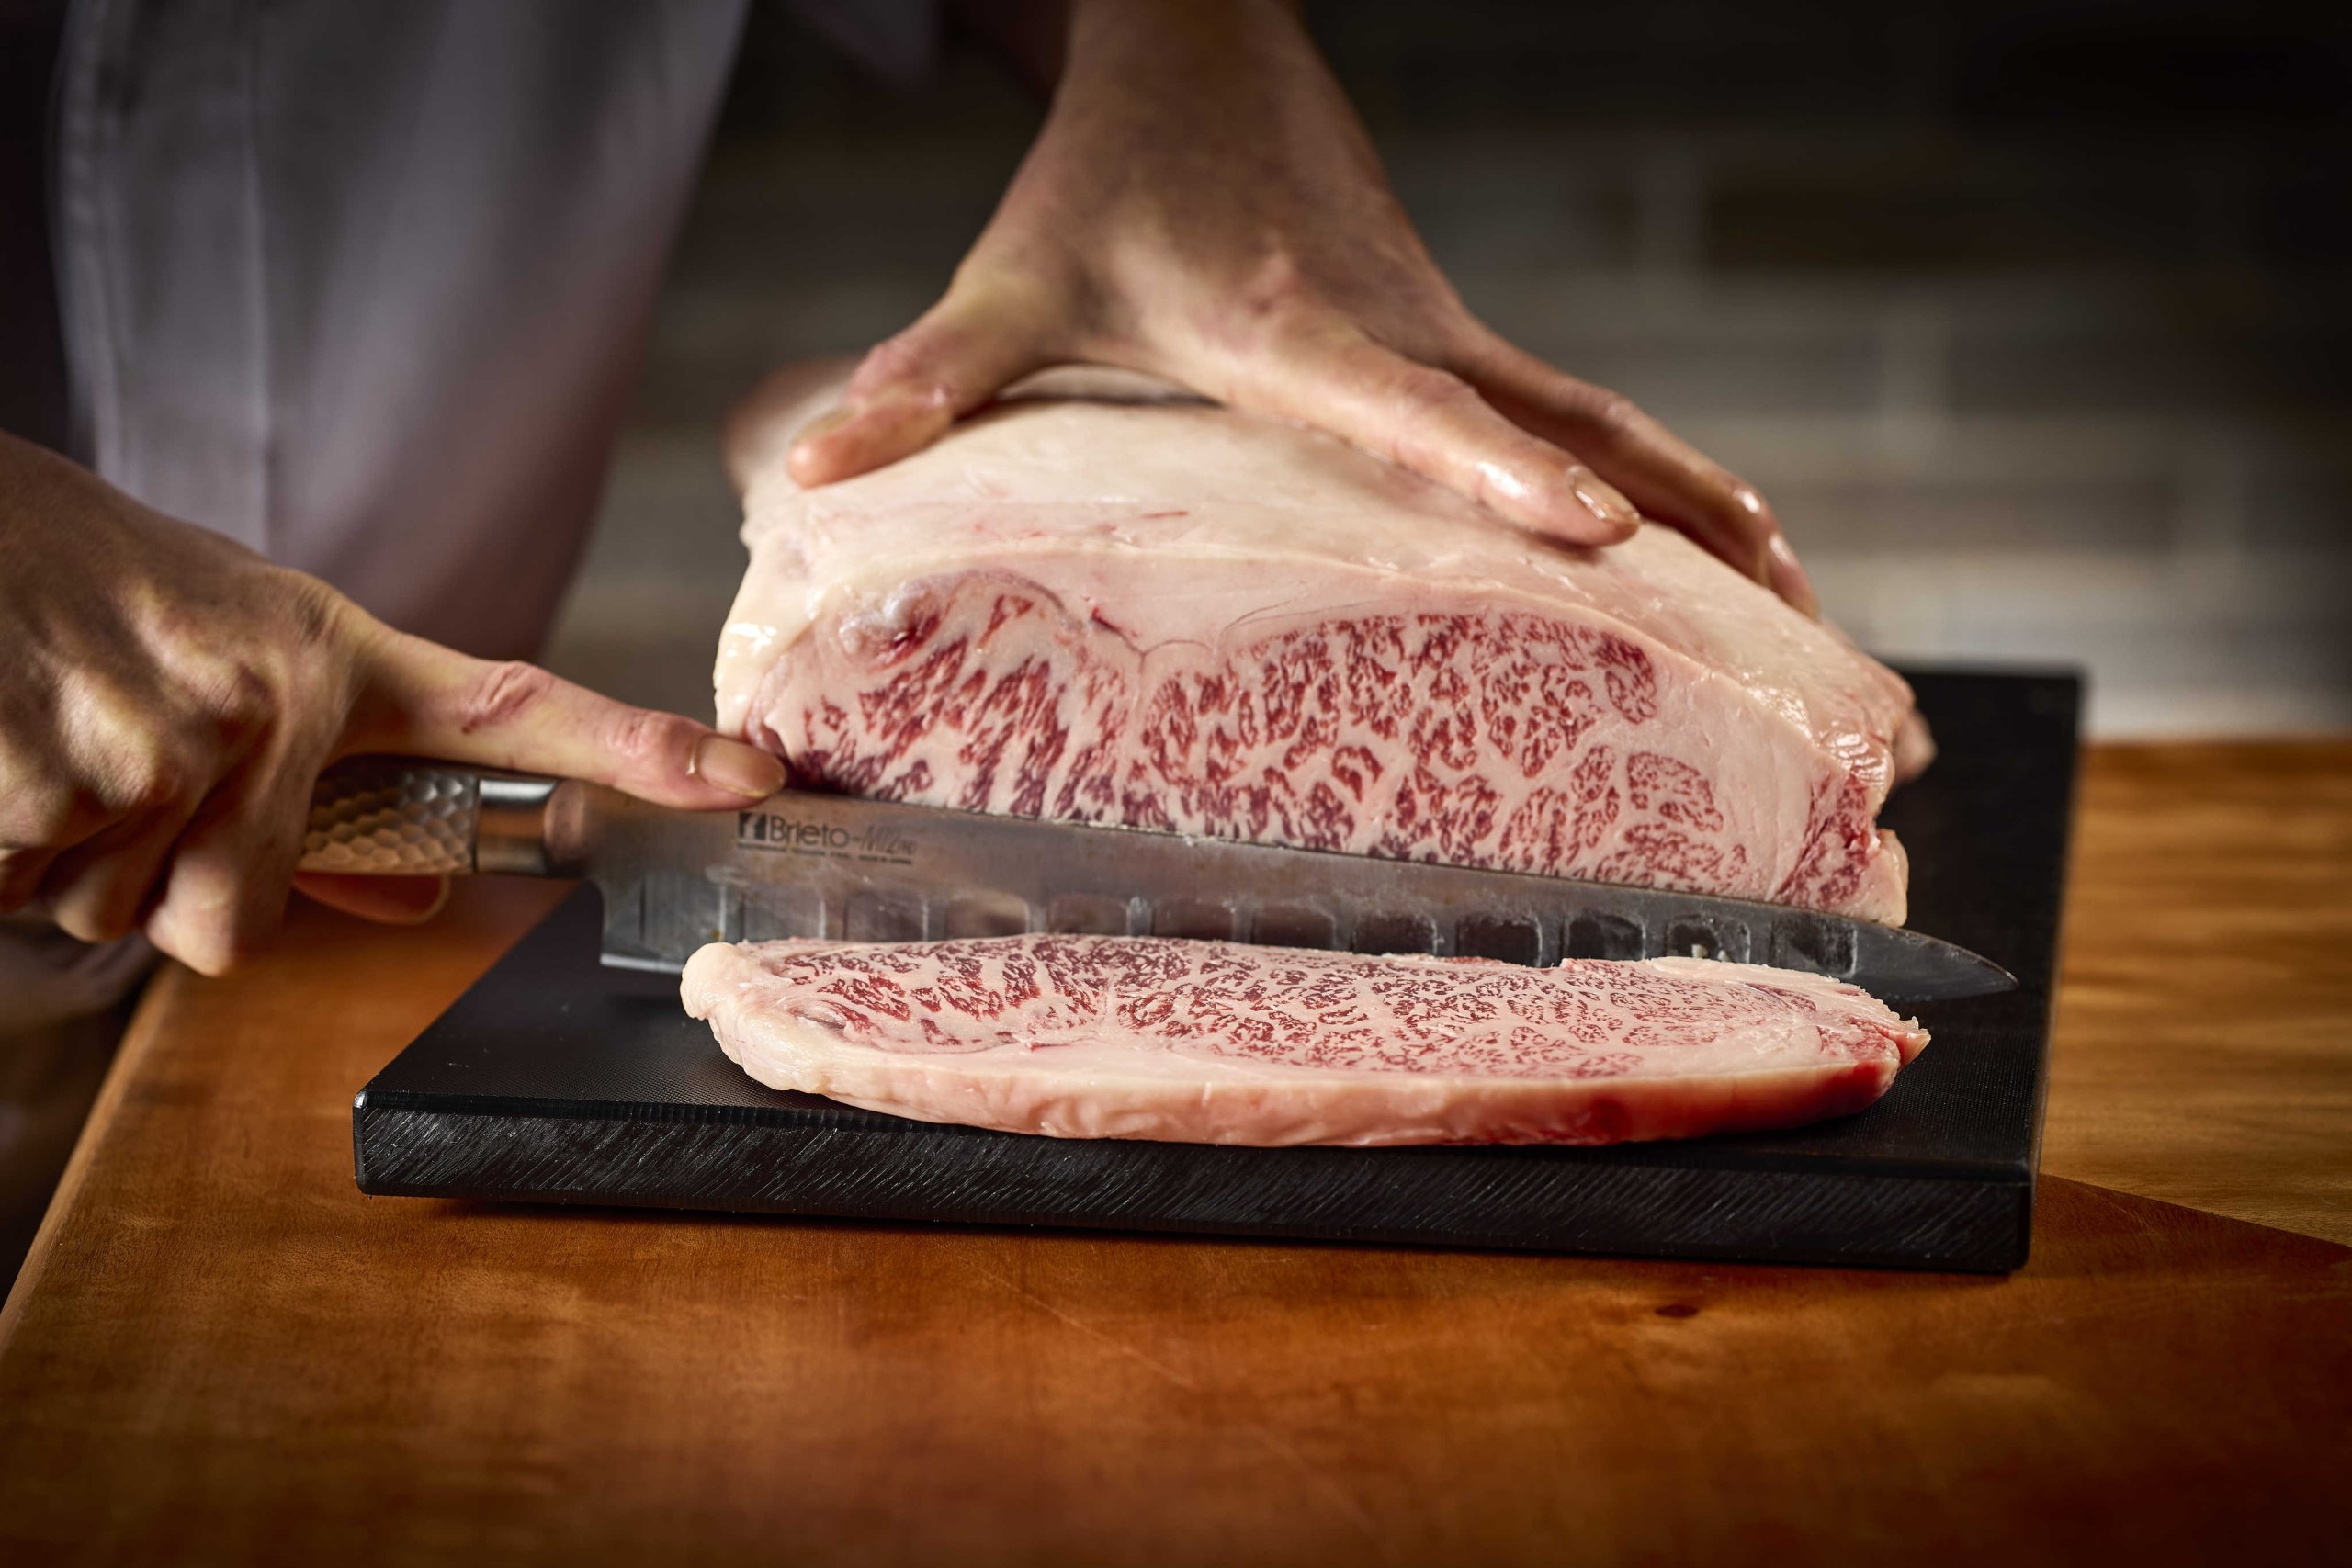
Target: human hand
(1204,205)
(170,696)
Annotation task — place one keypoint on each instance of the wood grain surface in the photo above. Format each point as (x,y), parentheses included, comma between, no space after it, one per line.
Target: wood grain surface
(2203,1046)
(221,1351)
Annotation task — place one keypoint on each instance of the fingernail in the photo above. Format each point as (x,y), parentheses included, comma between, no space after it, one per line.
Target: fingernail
(736,768)
(806,460)
(1600,497)
(1761,526)
(824,425)
(1788,577)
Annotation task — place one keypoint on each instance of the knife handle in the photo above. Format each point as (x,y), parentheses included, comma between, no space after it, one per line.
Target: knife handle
(402,816)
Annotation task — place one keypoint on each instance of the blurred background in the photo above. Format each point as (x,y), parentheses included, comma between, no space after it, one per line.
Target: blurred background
(2032,320)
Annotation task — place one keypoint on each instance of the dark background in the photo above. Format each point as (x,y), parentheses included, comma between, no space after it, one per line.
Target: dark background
(2032,320)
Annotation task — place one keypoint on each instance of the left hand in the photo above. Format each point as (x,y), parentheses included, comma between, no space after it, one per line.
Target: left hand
(1204,205)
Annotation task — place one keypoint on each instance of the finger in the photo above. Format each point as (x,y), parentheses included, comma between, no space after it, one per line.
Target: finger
(21,871)
(425,700)
(1674,481)
(1671,480)
(1329,374)
(966,349)
(98,889)
(1915,747)
(225,889)
(390,900)
(41,821)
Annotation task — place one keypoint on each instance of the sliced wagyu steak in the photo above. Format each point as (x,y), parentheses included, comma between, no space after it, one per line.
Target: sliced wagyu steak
(1201,1042)
(1102,603)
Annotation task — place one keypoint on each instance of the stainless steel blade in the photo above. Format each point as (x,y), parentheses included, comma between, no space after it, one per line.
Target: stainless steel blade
(828,866)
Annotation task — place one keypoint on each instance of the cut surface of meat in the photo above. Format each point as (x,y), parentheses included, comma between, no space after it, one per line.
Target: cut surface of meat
(1101,603)
(1201,1042)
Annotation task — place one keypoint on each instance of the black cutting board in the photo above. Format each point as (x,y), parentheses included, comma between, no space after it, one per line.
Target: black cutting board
(557,1080)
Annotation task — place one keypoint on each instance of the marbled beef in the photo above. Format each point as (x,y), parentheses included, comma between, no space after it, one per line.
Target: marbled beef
(1198,1041)
(1104,603)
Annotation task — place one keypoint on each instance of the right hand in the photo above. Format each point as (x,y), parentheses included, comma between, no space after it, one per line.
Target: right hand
(1202,203)
(167,698)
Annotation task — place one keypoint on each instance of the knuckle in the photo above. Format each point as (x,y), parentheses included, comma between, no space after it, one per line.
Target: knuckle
(501,694)
(1746,506)
(640,739)
(151,781)
(1612,410)
(905,365)
(144,770)
(242,700)
(1275,285)
(894,357)
(1272,316)
(312,611)
(1426,427)
(47,814)
(1423,389)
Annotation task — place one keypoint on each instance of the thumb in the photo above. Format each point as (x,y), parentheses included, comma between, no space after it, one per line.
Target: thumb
(978,339)
(421,699)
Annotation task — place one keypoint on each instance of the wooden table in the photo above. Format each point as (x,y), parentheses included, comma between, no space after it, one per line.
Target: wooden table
(221,1351)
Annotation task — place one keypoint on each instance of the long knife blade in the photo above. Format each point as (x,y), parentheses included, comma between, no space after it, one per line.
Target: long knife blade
(837,868)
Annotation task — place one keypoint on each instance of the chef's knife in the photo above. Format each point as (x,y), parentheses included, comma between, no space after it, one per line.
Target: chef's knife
(830,866)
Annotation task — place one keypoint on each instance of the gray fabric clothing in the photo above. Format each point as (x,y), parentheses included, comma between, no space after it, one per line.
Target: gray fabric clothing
(362,286)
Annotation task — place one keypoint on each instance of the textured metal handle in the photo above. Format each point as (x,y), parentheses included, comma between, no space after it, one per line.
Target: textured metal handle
(393,816)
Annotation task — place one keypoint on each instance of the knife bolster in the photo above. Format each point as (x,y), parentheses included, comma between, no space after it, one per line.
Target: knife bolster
(511,838)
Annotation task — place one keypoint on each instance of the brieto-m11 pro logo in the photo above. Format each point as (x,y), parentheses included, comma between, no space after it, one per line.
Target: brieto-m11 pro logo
(792,835)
